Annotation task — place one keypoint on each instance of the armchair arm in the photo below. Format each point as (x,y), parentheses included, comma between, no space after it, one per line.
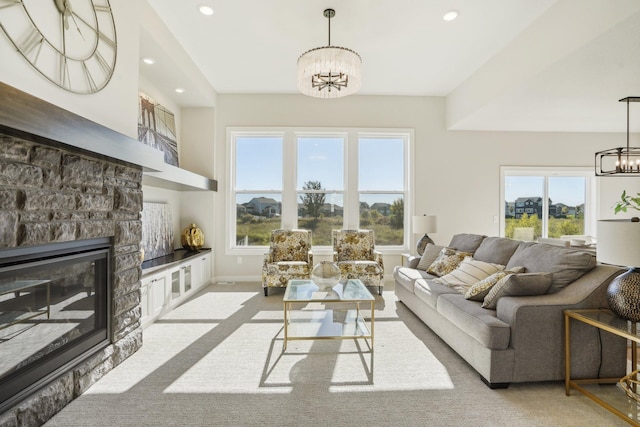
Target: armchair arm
(377,257)
(268,258)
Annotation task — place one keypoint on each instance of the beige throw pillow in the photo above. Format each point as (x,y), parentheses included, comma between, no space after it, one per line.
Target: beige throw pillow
(527,284)
(447,261)
(467,273)
(429,255)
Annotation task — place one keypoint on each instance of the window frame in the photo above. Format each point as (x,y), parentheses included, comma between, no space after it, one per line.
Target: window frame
(351,192)
(546,172)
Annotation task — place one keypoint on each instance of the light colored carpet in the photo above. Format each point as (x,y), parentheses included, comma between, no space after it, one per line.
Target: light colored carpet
(217,361)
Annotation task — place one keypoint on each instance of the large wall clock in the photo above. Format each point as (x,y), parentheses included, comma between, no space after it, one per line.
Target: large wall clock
(70,42)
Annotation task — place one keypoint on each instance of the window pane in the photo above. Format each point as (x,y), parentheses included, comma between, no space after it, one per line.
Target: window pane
(523,196)
(321,160)
(256,215)
(258,163)
(320,212)
(384,214)
(381,164)
(566,207)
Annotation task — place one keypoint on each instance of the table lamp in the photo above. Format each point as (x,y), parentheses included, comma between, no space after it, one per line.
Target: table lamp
(424,224)
(619,244)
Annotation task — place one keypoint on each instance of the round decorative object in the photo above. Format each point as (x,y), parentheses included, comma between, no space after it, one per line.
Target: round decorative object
(192,238)
(623,295)
(325,275)
(70,42)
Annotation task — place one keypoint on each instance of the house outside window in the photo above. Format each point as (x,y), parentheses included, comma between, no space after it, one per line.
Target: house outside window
(548,202)
(333,179)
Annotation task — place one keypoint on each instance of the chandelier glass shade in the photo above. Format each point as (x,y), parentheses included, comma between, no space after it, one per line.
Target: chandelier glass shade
(329,71)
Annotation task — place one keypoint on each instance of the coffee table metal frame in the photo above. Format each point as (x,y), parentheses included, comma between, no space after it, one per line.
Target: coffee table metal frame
(314,321)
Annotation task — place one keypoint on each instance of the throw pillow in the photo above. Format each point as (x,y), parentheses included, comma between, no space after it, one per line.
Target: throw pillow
(479,290)
(429,255)
(526,284)
(447,261)
(468,272)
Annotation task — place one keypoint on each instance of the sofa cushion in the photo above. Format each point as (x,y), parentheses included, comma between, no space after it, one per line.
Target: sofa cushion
(566,264)
(446,262)
(479,290)
(429,255)
(467,273)
(429,291)
(498,250)
(405,276)
(479,323)
(466,242)
(526,284)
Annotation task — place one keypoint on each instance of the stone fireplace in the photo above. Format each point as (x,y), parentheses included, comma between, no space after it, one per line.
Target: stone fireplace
(51,193)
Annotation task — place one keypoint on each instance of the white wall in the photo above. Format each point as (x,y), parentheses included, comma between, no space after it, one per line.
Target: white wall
(116,105)
(456,172)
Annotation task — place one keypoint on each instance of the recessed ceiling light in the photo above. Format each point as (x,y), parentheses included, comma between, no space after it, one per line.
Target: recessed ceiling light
(149,61)
(179,90)
(206,10)
(451,15)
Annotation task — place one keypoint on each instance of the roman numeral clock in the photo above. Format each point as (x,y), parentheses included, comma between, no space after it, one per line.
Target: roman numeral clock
(70,42)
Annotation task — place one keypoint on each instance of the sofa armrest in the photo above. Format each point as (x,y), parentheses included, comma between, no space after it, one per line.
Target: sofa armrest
(413,261)
(537,327)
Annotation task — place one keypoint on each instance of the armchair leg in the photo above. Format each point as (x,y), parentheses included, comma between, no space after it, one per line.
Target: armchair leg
(266,291)
(379,290)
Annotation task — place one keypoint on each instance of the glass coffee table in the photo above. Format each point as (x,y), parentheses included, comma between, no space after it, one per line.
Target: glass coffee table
(314,314)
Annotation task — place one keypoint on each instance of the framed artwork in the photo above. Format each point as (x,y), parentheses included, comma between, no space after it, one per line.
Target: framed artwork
(157,128)
(157,230)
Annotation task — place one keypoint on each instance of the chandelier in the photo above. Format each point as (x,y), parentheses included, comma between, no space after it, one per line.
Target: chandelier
(329,71)
(620,161)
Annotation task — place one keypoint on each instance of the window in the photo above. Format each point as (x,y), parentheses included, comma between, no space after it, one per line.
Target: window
(317,180)
(258,188)
(547,202)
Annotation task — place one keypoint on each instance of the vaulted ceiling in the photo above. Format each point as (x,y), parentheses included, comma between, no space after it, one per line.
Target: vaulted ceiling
(543,65)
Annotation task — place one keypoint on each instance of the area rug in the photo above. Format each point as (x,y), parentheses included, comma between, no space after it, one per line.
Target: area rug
(217,360)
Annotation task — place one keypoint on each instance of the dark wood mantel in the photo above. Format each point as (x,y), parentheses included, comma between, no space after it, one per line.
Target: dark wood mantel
(24,115)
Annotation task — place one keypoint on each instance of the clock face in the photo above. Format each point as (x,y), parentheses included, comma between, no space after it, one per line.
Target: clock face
(70,42)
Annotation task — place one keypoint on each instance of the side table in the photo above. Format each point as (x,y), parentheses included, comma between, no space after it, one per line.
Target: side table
(606,320)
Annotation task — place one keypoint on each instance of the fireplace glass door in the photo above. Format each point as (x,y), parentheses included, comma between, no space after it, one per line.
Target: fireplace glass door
(54,310)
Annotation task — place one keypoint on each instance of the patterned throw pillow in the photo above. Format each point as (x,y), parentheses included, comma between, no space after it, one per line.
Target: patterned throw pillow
(526,284)
(429,255)
(469,272)
(479,290)
(446,262)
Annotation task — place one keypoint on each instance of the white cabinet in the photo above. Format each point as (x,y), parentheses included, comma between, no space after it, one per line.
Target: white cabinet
(166,287)
(154,296)
(202,275)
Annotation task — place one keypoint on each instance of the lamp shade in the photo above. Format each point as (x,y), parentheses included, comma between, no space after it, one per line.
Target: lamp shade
(423,224)
(619,242)
(329,72)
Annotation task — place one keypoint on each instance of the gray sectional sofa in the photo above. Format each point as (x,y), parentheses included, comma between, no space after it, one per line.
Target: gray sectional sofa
(522,339)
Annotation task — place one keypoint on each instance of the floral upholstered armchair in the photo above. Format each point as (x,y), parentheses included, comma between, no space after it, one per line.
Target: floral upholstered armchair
(289,257)
(354,252)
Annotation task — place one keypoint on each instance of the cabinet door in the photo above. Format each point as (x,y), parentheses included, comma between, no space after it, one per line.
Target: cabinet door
(176,282)
(186,275)
(158,294)
(205,269)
